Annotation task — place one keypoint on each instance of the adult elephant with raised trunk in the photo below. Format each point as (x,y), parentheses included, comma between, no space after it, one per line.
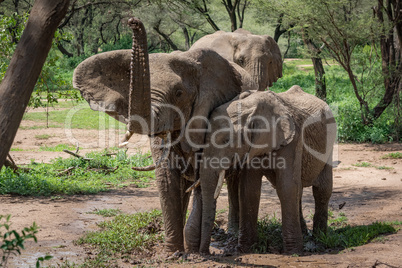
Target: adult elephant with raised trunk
(161,97)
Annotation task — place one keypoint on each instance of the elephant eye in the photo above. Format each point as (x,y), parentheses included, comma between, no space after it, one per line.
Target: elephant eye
(179,92)
(240,61)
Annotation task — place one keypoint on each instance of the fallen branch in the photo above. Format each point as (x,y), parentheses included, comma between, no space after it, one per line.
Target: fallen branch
(77,155)
(66,171)
(11,164)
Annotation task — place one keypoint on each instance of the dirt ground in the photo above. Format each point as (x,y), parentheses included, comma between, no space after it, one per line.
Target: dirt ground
(369,194)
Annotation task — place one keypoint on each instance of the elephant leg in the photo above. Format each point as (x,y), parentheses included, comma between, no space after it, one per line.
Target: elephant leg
(289,189)
(302,220)
(192,230)
(173,198)
(322,191)
(209,181)
(174,203)
(249,194)
(233,196)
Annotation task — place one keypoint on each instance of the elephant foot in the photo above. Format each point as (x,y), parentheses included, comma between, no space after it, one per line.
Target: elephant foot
(191,248)
(172,248)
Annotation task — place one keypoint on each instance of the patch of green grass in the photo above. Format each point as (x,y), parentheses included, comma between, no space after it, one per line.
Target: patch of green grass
(354,236)
(124,237)
(363,164)
(395,155)
(367,164)
(77,176)
(57,148)
(42,136)
(384,167)
(269,235)
(111,212)
(81,117)
(16,149)
(340,235)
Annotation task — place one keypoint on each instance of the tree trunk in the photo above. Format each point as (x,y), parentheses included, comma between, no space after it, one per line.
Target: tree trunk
(25,67)
(278,32)
(64,51)
(320,83)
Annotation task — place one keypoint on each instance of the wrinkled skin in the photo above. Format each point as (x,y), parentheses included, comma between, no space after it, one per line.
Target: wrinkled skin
(299,136)
(195,82)
(258,55)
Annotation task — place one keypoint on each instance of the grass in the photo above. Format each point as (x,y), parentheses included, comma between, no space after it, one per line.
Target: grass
(16,149)
(363,164)
(79,117)
(367,164)
(340,234)
(111,212)
(77,176)
(124,237)
(396,155)
(56,148)
(384,167)
(42,136)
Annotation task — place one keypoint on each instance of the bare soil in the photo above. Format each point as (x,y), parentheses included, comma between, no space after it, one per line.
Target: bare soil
(364,194)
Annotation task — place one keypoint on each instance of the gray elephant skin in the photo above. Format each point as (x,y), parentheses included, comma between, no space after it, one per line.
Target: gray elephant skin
(295,128)
(195,82)
(258,55)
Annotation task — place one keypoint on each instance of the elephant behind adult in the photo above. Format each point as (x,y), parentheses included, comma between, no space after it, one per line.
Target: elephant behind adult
(258,55)
(293,132)
(168,90)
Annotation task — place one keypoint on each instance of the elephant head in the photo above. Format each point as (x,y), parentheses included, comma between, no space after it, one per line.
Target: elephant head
(259,55)
(178,86)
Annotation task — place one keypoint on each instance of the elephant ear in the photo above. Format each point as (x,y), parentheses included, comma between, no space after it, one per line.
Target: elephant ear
(274,70)
(104,80)
(264,108)
(219,83)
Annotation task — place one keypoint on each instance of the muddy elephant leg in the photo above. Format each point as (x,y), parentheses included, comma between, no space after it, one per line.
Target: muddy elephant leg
(209,181)
(322,191)
(192,230)
(233,196)
(249,194)
(302,220)
(174,202)
(289,189)
(173,199)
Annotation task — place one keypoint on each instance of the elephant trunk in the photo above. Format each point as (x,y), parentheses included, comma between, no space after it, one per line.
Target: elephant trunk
(139,105)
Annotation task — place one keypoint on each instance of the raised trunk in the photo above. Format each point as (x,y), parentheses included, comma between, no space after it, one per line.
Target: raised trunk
(139,106)
(25,67)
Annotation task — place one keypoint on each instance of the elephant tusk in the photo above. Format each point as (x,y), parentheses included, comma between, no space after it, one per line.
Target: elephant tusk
(192,187)
(147,168)
(220,184)
(124,141)
(165,154)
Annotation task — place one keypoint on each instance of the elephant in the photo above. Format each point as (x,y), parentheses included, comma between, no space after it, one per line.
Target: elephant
(287,137)
(161,96)
(258,55)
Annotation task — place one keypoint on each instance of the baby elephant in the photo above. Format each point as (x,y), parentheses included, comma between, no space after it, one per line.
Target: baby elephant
(287,137)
